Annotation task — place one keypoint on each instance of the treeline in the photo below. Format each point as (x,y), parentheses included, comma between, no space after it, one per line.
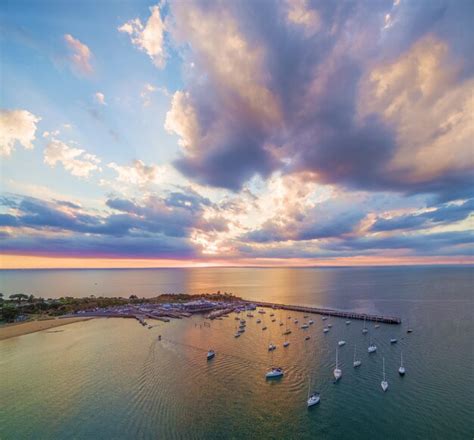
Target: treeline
(20,304)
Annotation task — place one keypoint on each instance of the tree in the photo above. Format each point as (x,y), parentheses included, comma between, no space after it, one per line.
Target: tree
(19,297)
(9,313)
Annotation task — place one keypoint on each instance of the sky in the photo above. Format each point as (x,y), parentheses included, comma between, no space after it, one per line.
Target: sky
(196,133)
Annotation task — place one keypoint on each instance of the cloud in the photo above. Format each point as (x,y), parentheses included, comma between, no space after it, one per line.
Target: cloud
(333,89)
(148,38)
(75,160)
(301,14)
(80,55)
(17,126)
(150,227)
(138,173)
(100,98)
(442,214)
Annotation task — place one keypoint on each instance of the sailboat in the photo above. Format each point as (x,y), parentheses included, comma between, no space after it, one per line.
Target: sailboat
(384,383)
(287,331)
(274,372)
(401,370)
(372,347)
(364,330)
(356,363)
(337,370)
(312,399)
(342,341)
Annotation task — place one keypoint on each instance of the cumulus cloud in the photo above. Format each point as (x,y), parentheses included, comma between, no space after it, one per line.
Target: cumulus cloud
(100,98)
(80,55)
(17,126)
(75,160)
(341,90)
(148,38)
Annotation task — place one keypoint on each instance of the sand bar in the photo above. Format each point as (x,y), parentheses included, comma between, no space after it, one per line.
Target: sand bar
(23,328)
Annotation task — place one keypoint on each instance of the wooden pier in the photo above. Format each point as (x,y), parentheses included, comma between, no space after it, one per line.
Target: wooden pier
(331,312)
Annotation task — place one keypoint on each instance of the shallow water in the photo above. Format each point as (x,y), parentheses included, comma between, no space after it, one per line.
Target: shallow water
(112,379)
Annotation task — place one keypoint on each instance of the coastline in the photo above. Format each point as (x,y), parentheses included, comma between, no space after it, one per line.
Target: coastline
(8,331)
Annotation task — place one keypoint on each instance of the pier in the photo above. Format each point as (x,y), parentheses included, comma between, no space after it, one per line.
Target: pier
(331,312)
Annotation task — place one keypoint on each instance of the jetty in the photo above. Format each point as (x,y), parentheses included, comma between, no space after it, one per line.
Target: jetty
(331,312)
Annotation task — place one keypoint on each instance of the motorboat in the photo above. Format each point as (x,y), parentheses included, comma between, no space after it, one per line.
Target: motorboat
(286,343)
(271,347)
(310,322)
(393,341)
(325,329)
(211,354)
(341,343)
(305,326)
(274,372)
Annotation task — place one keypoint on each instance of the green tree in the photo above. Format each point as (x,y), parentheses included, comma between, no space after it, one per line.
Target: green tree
(9,313)
(19,297)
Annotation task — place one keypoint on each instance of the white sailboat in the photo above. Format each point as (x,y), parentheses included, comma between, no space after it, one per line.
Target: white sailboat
(312,399)
(372,347)
(401,370)
(384,383)
(342,341)
(337,370)
(364,330)
(274,372)
(356,363)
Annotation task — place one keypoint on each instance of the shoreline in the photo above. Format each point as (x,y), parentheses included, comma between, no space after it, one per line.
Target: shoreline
(8,331)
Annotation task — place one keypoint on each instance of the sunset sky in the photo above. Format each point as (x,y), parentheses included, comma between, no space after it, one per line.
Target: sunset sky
(141,134)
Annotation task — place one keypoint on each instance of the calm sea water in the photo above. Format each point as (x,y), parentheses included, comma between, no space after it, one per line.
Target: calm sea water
(112,379)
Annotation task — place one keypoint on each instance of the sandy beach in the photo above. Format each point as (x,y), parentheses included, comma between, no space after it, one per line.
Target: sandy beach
(23,328)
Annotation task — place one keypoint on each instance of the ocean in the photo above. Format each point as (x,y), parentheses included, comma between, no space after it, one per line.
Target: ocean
(113,379)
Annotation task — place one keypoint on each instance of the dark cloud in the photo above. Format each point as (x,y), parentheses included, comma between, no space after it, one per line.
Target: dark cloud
(157,224)
(313,81)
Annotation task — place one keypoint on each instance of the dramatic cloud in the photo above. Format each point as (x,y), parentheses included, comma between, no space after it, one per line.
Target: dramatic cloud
(159,225)
(78,162)
(149,38)
(100,98)
(16,126)
(80,55)
(366,95)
